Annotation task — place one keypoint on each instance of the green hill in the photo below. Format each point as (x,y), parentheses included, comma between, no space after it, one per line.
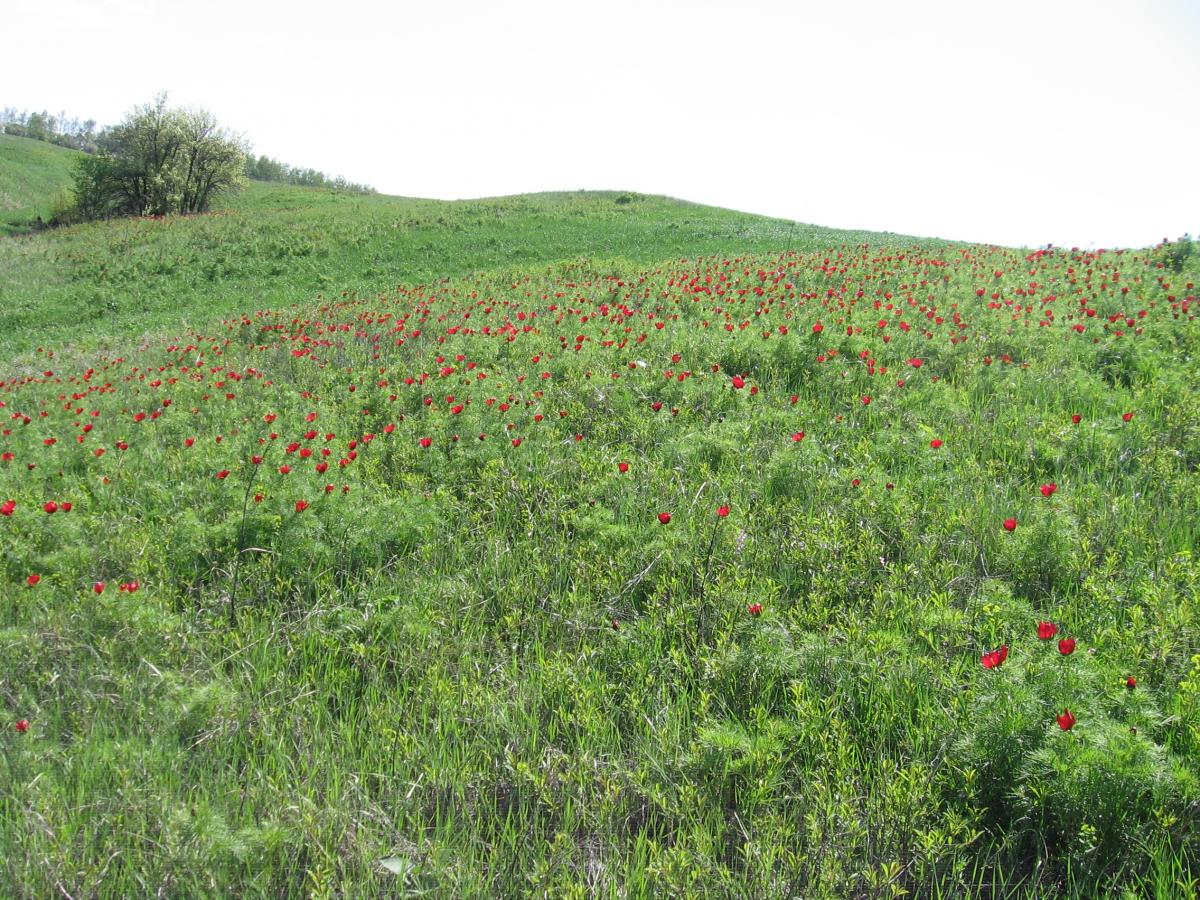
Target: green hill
(593,545)
(32,175)
(275,245)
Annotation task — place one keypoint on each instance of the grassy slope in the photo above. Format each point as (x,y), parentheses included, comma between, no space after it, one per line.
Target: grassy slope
(425,667)
(32,174)
(278,245)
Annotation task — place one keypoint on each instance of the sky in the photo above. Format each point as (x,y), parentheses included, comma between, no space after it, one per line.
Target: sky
(1023,122)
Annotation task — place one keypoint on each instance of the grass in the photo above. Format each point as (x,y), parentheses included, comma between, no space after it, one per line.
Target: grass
(32,175)
(354,598)
(279,245)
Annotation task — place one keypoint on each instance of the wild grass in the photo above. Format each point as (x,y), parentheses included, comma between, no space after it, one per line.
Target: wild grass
(479,663)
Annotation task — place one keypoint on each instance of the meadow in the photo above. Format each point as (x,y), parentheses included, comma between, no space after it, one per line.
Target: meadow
(650,550)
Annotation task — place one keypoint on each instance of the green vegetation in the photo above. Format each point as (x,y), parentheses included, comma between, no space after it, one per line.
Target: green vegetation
(276,245)
(34,177)
(593,545)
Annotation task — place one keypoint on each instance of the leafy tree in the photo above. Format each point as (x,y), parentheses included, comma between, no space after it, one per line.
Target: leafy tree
(159,161)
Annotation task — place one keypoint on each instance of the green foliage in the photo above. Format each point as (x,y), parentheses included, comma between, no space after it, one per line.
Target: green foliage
(157,162)
(33,178)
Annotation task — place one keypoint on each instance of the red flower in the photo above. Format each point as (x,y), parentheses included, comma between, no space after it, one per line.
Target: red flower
(32,580)
(301,505)
(664,517)
(994,658)
(1127,416)
(722,512)
(98,587)
(22,726)
(65,506)
(866,401)
(1066,646)
(656,405)
(284,469)
(128,587)
(50,507)
(797,436)
(915,363)
(1010,524)
(622,467)
(1076,419)
(516,442)
(1048,489)
(738,382)
(256,460)
(1131,682)
(754,609)
(1067,720)
(7,507)
(1046,630)
(187,442)
(818,328)
(425,442)
(935,443)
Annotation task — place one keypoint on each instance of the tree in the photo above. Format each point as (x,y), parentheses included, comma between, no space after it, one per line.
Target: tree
(159,161)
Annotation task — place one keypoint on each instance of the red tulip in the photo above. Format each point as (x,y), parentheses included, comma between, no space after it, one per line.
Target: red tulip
(664,517)
(1048,489)
(1046,630)
(994,658)
(1066,721)
(1010,524)
(1066,646)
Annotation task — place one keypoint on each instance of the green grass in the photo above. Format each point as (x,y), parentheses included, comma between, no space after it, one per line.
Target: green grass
(278,245)
(32,175)
(485,666)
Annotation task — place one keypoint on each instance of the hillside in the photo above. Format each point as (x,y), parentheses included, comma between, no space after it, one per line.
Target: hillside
(593,545)
(32,174)
(276,245)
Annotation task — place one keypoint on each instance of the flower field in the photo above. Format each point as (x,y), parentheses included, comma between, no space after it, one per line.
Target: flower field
(867,571)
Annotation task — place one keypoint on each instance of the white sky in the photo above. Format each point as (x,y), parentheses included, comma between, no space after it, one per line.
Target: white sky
(1075,122)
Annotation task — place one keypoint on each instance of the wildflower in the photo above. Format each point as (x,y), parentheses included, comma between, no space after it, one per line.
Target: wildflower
(426,442)
(935,443)
(754,609)
(797,436)
(994,658)
(1010,524)
(1131,682)
(1066,721)
(664,517)
(1046,630)
(1048,489)
(1066,646)
(50,507)
(22,726)
(301,505)
(622,467)
(98,587)
(7,507)
(32,580)
(1127,416)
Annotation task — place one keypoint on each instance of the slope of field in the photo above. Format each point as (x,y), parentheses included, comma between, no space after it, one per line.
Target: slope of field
(32,174)
(278,245)
(863,572)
